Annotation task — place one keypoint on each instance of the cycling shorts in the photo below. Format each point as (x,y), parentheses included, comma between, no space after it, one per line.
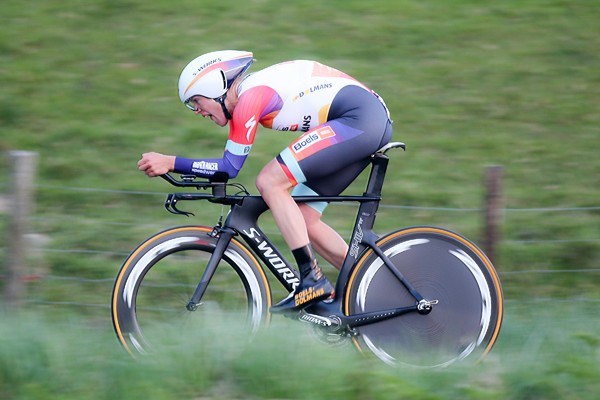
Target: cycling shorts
(326,159)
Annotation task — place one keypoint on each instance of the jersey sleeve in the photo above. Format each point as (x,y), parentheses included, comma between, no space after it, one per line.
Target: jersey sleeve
(255,105)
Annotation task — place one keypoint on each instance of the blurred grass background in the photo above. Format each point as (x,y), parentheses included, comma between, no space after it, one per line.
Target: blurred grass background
(92,85)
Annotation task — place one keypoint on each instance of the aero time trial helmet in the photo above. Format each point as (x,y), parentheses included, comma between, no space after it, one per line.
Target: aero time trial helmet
(211,74)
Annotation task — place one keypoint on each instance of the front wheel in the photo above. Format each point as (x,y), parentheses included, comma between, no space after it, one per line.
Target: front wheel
(158,279)
(444,267)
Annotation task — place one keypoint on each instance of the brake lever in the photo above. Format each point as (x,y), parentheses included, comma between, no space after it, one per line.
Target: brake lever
(171,206)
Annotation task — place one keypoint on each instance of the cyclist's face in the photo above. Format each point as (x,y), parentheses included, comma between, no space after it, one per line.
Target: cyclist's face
(208,108)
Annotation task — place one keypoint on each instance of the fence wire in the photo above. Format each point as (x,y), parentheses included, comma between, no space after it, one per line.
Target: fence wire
(107,282)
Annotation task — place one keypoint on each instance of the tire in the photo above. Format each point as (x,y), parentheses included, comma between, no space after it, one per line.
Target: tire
(158,278)
(442,266)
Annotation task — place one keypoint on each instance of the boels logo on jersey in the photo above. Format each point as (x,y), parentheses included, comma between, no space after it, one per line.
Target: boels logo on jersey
(312,138)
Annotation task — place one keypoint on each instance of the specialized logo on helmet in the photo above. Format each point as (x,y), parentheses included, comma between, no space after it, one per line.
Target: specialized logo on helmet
(208,64)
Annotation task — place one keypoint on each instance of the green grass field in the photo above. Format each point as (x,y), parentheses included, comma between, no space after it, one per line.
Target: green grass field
(56,356)
(90,85)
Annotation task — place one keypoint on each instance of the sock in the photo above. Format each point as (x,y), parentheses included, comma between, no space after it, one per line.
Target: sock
(304,258)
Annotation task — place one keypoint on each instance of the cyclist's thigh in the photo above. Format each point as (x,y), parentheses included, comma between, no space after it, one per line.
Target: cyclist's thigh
(329,157)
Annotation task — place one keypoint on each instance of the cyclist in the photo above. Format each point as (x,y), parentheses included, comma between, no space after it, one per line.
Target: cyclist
(338,121)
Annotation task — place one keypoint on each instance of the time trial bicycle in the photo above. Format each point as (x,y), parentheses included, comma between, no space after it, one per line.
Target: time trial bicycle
(421,295)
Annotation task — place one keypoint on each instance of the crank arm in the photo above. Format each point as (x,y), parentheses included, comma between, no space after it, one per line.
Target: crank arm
(317,319)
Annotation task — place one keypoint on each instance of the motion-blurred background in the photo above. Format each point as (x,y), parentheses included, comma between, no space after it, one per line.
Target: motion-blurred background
(90,85)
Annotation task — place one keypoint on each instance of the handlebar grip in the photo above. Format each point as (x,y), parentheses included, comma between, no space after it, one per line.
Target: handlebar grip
(167,177)
(186,181)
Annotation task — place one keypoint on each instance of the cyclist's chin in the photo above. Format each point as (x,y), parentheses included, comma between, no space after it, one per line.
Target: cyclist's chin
(219,121)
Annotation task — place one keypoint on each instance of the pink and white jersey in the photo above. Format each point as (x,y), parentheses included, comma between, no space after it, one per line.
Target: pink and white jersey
(290,96)
(300,94)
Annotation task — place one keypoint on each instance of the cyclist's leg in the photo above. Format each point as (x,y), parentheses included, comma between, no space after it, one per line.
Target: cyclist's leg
(325,240)
(274,186)
(333,153)
(345,145)
(299,225)
(327,158)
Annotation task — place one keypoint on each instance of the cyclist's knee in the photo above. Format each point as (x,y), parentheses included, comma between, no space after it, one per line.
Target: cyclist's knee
(264,182)
(260,182)
(272,178)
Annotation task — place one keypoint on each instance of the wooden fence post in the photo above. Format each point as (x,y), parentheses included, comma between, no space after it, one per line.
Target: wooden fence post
(20,206)
(493,208)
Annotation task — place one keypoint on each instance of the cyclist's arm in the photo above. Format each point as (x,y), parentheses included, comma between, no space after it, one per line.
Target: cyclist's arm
(253,105)
(205,167)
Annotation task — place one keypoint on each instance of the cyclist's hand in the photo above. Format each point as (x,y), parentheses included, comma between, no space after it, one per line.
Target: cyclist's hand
(156,164)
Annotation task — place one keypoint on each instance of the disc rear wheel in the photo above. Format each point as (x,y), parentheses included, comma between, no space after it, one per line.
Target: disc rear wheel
(446,269)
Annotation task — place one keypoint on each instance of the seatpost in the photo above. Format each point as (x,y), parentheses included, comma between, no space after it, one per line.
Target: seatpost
(375,184)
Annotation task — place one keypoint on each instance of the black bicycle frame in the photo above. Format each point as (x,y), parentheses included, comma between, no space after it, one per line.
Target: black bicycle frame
(243,220)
